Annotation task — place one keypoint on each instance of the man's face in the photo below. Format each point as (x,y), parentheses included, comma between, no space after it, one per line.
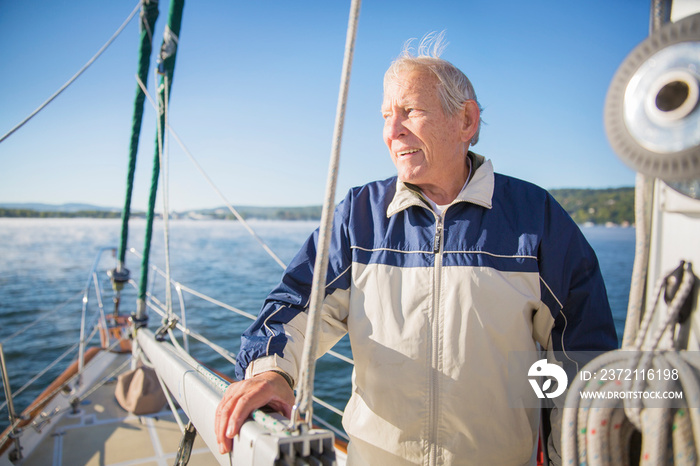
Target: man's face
(427,146)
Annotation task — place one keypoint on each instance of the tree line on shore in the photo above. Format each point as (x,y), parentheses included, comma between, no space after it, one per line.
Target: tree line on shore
(598,206)
(31,213)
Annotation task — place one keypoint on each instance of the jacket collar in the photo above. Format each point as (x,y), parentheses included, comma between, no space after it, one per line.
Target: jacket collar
(478,191)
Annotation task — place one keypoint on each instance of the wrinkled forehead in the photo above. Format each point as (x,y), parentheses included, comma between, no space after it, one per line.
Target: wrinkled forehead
(409,86)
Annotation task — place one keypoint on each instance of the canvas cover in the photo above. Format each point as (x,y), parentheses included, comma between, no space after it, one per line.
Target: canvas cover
(139,392)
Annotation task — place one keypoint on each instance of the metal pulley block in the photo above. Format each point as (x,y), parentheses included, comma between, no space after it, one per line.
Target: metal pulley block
(652,110)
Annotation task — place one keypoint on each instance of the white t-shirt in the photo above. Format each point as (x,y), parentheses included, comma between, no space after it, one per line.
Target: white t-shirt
(440,209)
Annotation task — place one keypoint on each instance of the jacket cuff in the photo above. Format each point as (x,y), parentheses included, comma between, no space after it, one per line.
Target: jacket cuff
(271,363)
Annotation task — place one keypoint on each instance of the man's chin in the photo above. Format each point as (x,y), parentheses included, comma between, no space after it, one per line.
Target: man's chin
(409,178)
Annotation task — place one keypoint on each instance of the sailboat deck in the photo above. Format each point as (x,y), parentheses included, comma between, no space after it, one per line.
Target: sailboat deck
(102,433)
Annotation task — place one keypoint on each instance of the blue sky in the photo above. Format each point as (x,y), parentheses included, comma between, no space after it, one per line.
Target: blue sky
(255,89)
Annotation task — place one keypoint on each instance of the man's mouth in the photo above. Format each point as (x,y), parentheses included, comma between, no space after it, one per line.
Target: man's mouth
(407,152)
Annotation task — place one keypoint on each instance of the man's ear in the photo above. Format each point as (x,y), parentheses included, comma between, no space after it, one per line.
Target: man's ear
(472,117)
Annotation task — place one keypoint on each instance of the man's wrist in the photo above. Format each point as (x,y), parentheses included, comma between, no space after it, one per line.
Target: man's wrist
(286,377)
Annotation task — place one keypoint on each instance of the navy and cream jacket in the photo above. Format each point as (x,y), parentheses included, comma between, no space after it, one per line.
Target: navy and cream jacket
(434,305)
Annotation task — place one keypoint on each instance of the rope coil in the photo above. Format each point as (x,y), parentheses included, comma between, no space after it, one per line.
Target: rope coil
(600,430)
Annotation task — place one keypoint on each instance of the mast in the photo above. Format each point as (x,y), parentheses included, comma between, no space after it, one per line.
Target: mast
(166,70)
(149,15)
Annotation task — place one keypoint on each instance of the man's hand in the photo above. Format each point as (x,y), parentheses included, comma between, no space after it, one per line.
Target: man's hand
(242,398)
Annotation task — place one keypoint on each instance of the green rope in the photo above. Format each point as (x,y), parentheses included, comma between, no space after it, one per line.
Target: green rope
(149,14)
(166,68)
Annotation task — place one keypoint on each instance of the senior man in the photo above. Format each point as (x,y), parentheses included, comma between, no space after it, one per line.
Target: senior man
(437,275)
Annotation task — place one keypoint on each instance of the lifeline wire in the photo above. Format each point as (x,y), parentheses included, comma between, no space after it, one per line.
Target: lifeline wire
(308,361)
(41,373)
(65,384)
(77,75)
(226,354)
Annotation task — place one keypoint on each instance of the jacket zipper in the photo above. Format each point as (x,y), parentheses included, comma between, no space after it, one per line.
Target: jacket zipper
(438,236)
(435,347)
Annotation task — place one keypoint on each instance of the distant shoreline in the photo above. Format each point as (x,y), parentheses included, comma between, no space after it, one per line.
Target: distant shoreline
(613,206)
(248,213)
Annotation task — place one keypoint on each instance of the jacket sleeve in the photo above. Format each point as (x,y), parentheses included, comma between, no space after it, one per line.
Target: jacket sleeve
(572,286)
(275,340)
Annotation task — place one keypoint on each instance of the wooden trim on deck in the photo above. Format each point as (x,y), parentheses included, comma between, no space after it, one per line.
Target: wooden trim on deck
(34,409)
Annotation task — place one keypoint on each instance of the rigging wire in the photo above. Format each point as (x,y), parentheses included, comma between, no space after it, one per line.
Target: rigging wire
(163,155)
(77,75)
(230,207)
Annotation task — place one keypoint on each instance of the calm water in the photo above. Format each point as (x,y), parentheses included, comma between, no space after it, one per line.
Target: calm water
(45,262)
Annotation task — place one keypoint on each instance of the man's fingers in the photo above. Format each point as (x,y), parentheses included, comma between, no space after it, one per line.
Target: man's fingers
(242,398)
(246,403)
(223,414)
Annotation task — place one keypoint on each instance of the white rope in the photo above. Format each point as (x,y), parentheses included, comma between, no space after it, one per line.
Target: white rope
(304,405)
(77,75)
(642,214)
(598,431)
(230,207)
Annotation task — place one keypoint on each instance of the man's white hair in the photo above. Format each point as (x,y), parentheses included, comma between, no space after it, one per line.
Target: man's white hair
(454,87)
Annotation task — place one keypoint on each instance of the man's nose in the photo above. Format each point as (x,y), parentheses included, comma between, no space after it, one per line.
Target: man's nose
(394,127)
